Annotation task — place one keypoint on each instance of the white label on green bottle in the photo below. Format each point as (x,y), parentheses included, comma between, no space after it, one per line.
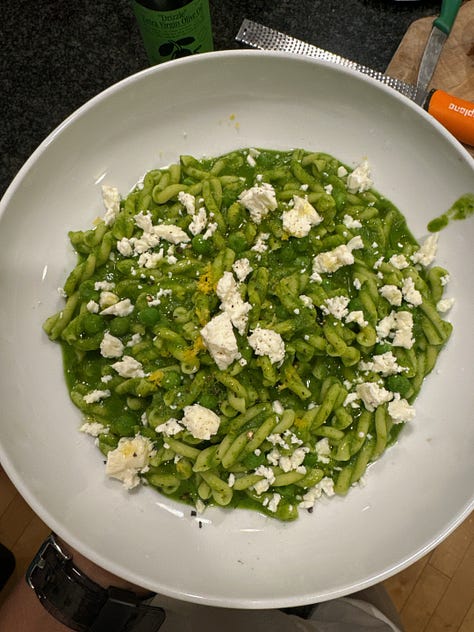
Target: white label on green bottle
(174,34)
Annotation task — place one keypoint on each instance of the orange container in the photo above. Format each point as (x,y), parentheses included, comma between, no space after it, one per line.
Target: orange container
(457,115)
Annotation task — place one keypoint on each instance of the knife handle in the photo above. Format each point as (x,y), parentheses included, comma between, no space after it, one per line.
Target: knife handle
(449,11)
(455,114)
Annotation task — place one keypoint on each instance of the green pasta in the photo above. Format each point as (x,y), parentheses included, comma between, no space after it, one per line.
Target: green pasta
(249,331)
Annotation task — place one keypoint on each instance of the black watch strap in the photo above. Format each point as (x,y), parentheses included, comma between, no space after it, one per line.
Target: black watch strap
(80,603)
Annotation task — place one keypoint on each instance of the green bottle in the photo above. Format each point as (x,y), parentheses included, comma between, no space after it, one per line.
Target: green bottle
(171,29)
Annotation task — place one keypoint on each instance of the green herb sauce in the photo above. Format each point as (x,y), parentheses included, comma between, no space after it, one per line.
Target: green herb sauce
(461,209)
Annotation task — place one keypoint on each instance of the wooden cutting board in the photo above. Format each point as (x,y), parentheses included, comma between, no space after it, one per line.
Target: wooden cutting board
(455,70)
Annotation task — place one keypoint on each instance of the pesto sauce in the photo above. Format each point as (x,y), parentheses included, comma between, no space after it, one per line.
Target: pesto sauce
(461,209)
(286,257)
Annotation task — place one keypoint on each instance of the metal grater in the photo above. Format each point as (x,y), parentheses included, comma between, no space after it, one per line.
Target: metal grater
(262,37)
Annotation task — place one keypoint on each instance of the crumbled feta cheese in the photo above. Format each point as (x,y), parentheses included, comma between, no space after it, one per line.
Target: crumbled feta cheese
(277,439)
(274,502)
(150,259)
(260,245)
(259,201)
(129,458)
(400,410)
(323,450)
(294,440)
(128,367)
(96,396)
(426,254)
(156,300)
(404,330)
(93,307)
(325,485)
(400,326)
(111,200)
(110,346)
(341,171)
(170,427)
(359,180)
(373,395)
(293,461)
(332,260)
(267,480)
(125,247)
(410,293)
(444,280)
(107,299)
(445,304)
(93,428)
(200,421)
(231,480)
(211,229)
(399,261)
(242,268)
(299,220)
(219,339)
(267,342)
(199,222)
(105,286)
(231,301)
(378,263)
(277,407)
(356,283)
(188,201)
(350,222)
(351,400)
(385,364)
(122,308)
(144,221)
(306,300)
(134,340)
(392,294)
(336,306)
(171,233)
(357,316)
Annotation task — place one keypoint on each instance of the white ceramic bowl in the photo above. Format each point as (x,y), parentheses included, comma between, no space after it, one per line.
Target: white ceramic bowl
(206,105)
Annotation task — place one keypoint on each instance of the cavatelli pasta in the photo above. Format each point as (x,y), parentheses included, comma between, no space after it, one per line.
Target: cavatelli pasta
(249,330)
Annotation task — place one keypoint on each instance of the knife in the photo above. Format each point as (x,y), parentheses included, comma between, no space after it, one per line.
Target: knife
(457,115)
(439,33)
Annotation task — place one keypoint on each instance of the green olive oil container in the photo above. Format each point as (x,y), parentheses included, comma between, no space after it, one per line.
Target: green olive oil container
(172,29)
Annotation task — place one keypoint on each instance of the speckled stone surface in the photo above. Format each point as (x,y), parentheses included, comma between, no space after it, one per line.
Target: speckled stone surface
(55,56)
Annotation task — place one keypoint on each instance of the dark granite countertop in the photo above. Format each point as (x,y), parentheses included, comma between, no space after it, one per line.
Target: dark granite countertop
(56,55)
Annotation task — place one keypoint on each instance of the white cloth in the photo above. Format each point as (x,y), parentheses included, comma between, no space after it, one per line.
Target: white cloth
(339,615)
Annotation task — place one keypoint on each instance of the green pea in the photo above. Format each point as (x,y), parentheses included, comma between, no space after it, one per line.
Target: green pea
(171,379)
(238,242)
(93,324)
(301,244)
(119,326)
(87,291)
(124,425)
(200,245)
(287,252)
(208,400)
(149,316)
(399,384)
